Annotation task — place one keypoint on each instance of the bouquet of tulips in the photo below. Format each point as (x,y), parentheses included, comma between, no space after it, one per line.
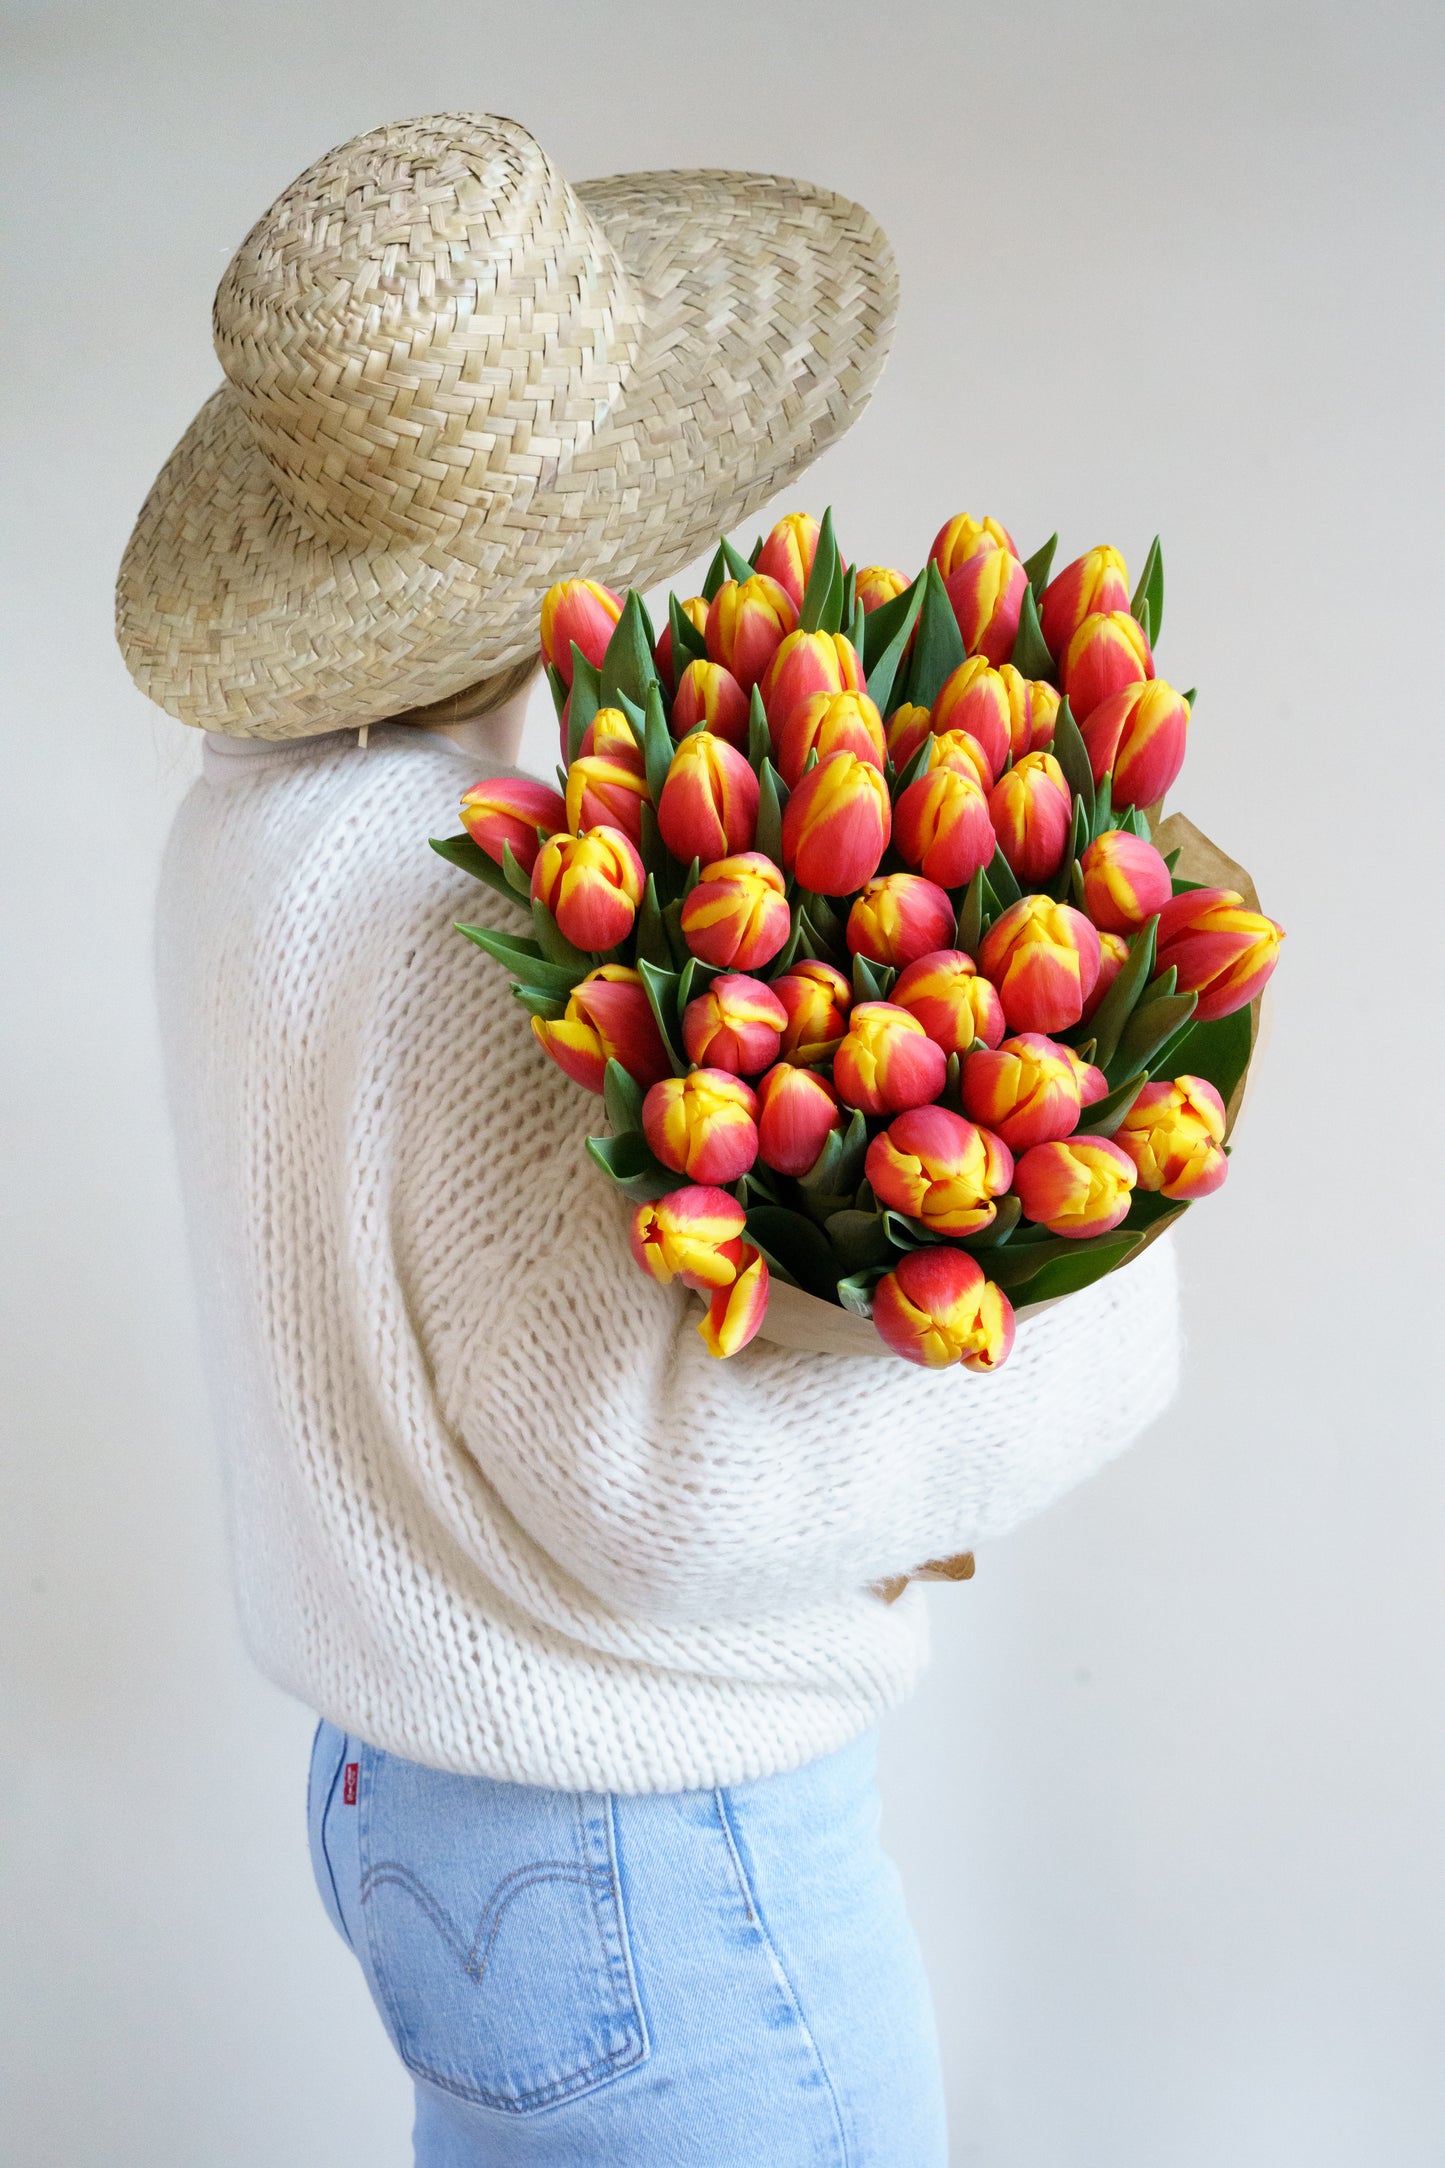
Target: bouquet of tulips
(852,909)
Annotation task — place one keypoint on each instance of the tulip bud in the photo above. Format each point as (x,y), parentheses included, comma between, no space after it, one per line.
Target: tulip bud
(1091,586)
(1033,815)
(608,1018)
(974,698)
(787,555)
(1108,652)
(695,611)
(510,809)
(1033,708)
(747,622)
(1174,1133)
(887,1062)
(830,723)
(1044,958)
(806,663)
(737,917)
(1139,734)
(797,1113)
(737,1025)
(735,1314)
(942,828)
(1027,1091)
(1125,881)
(709,803)
(987,593)
(940,1169)
(577,613)
(951,999)
(1221,951)
(836,825)
(936,1308)
(1079,1187)
(607,790)
(899,917)
(610,732)
(817,999)
(1093,1084)
(710,695)
(693,1235)
(1113,955)
(592,884)
(960,751)
(876,584)
(960,538)
(906,729)
(703,1125)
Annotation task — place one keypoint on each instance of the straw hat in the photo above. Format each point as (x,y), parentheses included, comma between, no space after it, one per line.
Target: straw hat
(452,379)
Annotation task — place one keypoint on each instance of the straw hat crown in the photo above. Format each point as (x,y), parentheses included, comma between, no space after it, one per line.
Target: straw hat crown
(452,378)
(423,331)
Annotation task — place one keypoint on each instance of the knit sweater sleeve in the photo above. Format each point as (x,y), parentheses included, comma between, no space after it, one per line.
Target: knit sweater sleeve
(676,1486)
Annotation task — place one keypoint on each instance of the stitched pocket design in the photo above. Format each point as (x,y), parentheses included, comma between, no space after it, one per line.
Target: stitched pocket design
(496,1934)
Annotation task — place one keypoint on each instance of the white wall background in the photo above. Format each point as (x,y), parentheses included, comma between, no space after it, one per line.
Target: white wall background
(1170,1805)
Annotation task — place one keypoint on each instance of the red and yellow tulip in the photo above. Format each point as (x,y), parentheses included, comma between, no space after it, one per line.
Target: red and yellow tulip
(607,790)
(905,730)
(738,1025)
(807,663)
(1078,1187)
(1125,881)
(898,917)
(709,803)
(608,1018)
(940,1169)
(962,537)
(817,999)
(1221,950)
(1106,653)
(836,825)
(703,1125)
(987,593)
(710,695)
(887,1062)
(826,723)
(1093,1084)
(737,917)
(1032,814)
(1138,734)
(610,732)
(1044,958)
(876,584)
(936,1308)
(509,810)
(788,553)
(735,1314)
(941,824)
(1174,1133)
(592,884)
(577,613)
(1027,1090)
(1113,955)
(951,999)
(1033,708)
(692,1234)
(1091,586)
(797,1113)
(975,698)
(746,624)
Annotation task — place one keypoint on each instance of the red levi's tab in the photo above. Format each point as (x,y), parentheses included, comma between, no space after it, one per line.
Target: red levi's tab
(348,1784)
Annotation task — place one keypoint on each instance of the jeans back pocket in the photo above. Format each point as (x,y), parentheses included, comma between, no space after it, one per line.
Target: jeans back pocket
(496,1934)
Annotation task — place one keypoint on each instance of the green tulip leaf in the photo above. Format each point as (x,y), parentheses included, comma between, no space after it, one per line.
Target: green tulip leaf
(909,1234)
(1105,1115)
(855,1149)
(525,959)
(826,575)
(461,851)
(760,740)
(628,667)
(1147,1208)
(517,877)
(629,1162)
(1218,1051)
(860,1240)
(1085,1264)
(938,645)
(800,1248)
(1001,880)
(537,1002)
(1151,1024)
(772,798)
(915,766)
(739,567)
(866,985)
(1149,594)
(557,688)
(1069,750)
(657,745)
(993,1237)
(886,633)
(1036,570)
(688,644)
(970,917)
(1103,819)
(1160,988)
(586,699)
(1031,657)
(716,573)
(855,1292)
(1108,1020)
(661,989)
(622,1096)
(653,946)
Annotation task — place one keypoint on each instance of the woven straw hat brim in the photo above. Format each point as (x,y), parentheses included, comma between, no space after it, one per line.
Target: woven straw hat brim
(766,310)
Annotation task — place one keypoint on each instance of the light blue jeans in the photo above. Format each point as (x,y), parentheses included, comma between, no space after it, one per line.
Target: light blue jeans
(721,1979)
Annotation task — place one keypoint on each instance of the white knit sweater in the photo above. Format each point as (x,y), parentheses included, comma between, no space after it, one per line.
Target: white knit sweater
(494,1507)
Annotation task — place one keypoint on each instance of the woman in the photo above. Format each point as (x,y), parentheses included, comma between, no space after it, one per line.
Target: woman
(597,1628)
